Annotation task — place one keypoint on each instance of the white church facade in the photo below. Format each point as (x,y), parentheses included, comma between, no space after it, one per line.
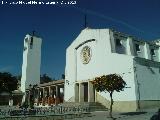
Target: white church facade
(97,52)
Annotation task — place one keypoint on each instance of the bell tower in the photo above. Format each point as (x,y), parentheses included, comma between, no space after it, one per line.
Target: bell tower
(31,61)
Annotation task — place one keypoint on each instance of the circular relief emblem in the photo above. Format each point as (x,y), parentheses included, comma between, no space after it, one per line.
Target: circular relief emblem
(86,54)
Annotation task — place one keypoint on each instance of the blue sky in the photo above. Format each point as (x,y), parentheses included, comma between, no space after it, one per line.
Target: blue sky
(59,25)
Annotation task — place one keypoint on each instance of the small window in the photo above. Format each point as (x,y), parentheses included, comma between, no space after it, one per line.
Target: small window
(118,42)
(137,48)
(25,48)
(26,40)
(153,52)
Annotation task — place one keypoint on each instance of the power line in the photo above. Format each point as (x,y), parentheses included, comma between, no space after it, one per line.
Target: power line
(87,11)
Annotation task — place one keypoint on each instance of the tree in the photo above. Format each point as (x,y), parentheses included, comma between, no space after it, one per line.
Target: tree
(109,83)
(18,77)
(63,76)
(8,82)
(45,78)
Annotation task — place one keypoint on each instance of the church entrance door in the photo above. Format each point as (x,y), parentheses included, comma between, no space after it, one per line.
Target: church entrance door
(85,92)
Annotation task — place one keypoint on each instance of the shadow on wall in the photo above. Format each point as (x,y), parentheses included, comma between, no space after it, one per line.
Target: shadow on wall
(147,83)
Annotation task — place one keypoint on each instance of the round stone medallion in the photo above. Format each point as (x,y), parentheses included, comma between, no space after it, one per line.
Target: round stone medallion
(86,54)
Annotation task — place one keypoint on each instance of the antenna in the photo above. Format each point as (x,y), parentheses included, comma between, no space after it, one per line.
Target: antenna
(85,21)
(33,32)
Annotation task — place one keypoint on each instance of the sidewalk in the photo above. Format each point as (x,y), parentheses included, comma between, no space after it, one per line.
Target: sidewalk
(103,115)
(145,114)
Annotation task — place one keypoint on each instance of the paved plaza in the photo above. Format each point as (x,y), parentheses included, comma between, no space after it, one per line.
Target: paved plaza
(145,114)
(103,115)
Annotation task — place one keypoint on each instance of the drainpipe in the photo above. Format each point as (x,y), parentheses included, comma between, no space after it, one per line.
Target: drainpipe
(138,88)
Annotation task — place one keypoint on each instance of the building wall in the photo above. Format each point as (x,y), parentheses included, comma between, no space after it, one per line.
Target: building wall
(72,58)
(147,79)
(138,67)
(31,62)
(102,62)
(122,65)
(100,48)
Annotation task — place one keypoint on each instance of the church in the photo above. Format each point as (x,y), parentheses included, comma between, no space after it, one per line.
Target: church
(97,52)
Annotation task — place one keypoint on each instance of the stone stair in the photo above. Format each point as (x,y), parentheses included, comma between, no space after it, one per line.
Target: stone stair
(93,106)
(96,106)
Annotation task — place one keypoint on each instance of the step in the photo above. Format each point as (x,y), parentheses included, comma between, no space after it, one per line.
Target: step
(93,106)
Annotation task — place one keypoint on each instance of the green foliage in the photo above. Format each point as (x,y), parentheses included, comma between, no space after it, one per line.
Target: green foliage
(109,83)
(25,105)
(63,76)
(31,101)
(45,79)
(8,82)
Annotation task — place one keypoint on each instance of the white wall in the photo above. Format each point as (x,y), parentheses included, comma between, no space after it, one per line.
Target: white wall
(73,58)
(31,63)
(70,74)
(148,76)
(123,65)
(99,48)
(102,62)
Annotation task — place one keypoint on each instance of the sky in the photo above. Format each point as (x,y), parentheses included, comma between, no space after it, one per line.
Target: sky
(59,25)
